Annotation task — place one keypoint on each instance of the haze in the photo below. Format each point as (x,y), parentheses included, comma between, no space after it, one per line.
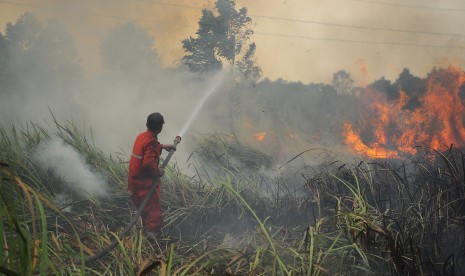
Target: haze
(302,40)
(297,41)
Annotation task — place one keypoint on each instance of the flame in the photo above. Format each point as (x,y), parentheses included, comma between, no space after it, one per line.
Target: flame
(437,122)
(372,151)
(260,136)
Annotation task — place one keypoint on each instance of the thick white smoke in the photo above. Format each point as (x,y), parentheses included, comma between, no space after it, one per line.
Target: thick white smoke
(71,167)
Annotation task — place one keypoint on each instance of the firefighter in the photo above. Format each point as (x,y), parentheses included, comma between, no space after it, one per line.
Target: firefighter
(144,169)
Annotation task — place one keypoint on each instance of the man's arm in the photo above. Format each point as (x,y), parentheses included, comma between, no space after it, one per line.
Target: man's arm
(168,147)
(151,159)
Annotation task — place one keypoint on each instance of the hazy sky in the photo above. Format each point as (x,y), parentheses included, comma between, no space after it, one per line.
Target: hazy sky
(297,40)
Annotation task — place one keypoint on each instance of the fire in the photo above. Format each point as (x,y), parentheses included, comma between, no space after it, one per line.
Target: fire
(372,151)
(437,120)
(260,136)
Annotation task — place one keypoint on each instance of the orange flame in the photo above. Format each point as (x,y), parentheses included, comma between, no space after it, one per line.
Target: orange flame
(437,122)
(260,136)
(372,151)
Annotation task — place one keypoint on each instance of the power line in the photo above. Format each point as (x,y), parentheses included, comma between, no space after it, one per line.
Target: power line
(363,41)
(259,33)
(358,26)
(253,15)
(320,22)
(411,6)
(365,1)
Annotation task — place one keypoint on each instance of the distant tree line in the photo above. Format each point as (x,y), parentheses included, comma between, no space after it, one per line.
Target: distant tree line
(35,57)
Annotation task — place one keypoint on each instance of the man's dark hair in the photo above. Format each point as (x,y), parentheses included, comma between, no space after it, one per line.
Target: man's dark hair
(155,121)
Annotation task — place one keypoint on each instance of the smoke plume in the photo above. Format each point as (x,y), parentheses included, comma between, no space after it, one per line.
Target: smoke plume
(70,167)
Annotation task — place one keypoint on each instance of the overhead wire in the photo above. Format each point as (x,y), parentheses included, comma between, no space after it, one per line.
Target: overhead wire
(275,18)
(342,26)
(364,41)
(319,22)
(410,6)
(358,26)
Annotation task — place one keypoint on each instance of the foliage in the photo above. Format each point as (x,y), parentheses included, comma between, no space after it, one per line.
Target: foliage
(222,39)
(384,86)
(414,87)
(37,54)
(224,151)
(342,82)
(365,218)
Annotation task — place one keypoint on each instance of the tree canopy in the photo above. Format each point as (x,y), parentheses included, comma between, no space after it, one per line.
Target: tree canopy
(342,82)
(29,51)
(223,39)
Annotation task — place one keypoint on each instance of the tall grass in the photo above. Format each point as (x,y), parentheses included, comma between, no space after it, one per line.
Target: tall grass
(408,216)
(380,218)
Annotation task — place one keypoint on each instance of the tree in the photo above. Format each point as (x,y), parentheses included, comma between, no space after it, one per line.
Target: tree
(414,87)
(128,50)
(19,38)
(222,40)
(54,50)
(384,86)
(342,82)
(36,58)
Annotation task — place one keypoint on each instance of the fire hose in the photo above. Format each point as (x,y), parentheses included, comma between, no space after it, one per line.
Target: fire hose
(107,250)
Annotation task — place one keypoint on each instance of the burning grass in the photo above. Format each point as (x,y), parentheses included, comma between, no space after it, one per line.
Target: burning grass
(426,112)
(383,218)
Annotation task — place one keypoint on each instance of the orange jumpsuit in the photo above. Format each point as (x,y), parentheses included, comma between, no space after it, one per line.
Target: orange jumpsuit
(143,169)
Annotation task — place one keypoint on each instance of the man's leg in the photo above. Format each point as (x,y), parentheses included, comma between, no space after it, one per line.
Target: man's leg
(152,216)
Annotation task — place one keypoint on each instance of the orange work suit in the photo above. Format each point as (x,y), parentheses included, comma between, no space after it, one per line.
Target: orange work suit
(143,169)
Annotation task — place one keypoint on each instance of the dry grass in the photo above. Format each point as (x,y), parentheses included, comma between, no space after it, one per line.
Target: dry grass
(379,218)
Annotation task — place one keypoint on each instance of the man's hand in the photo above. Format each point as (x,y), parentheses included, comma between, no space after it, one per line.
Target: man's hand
(169,147)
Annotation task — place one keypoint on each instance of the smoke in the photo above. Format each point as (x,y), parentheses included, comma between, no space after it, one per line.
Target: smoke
(305,48)
(70,167)
(113,104)
(108,91)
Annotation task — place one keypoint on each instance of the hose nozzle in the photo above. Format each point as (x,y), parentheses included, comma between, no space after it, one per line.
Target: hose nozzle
(177,140)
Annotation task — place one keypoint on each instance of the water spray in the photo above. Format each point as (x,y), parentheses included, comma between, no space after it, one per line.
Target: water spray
(107,250)
(177,140)
(202,101)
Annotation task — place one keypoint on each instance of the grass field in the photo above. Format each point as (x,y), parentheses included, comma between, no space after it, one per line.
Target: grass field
(383,217)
